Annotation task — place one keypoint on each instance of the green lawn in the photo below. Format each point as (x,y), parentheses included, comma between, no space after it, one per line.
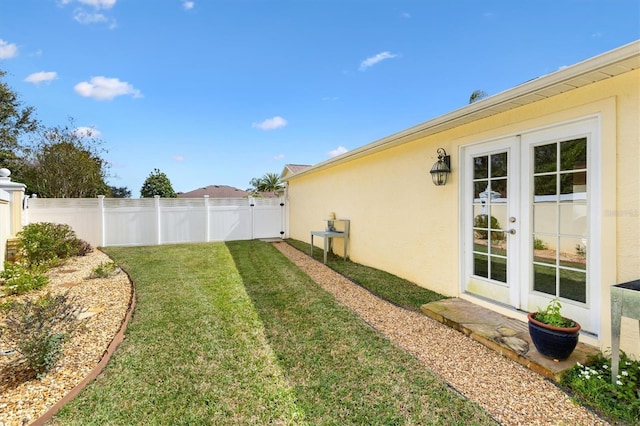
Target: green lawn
(383,284)
(237,334)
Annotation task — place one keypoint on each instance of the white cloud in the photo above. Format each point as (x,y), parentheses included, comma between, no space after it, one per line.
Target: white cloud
(98,4)
(103,88)
(88,17)
(86,132)
(338,151)
(178,158)
(7,50)
(369,62)
(278,157)
(93,16)
(188,5)
(270,123)
(39,77)
(406,15)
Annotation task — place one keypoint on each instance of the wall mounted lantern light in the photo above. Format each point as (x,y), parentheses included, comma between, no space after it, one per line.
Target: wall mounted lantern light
(441,169)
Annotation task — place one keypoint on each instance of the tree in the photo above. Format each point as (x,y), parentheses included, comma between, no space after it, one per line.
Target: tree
(270,182)
(157,183)
(64,163)
(119,192)
(15,121)
(477,95)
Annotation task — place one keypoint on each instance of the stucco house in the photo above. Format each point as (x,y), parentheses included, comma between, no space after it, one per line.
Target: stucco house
(542,201)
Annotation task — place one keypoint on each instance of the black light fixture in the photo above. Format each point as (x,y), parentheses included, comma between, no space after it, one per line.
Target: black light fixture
(441,169)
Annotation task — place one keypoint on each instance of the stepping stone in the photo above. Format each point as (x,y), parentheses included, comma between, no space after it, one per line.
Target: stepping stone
(90,312)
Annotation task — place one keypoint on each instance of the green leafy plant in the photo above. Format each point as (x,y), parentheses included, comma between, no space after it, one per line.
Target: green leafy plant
(487,222)
(551,315)
(591,383)
(538,244)
(46,243)
(104,270)
(38,328)
(17,279)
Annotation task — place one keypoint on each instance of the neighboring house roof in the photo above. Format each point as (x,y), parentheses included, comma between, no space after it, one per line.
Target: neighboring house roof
(597,68)
(215,191)
(291,169)
(223,191)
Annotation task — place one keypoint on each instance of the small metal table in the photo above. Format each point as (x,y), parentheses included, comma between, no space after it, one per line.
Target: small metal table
(331,233)
(625,301)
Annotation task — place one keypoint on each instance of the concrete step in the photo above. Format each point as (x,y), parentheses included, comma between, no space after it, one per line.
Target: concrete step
(507,336)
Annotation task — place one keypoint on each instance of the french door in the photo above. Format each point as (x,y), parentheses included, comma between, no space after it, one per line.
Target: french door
(491,232)
(527,213)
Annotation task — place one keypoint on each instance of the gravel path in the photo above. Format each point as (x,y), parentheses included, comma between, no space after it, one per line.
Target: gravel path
(508,391)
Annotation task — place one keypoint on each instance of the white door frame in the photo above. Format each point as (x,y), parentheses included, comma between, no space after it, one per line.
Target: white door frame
(508,293)
(521,295)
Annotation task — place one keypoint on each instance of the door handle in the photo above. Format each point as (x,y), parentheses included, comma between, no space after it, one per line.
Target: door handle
(512,231)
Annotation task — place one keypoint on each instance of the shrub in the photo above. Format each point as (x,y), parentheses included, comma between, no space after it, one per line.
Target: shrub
(538,244)
(82,248)
(38,329)
(18,279)
(482,221)
(104,270)
(46,243)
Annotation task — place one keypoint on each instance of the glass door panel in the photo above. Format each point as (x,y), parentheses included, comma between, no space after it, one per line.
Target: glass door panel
(559,206)
(488,221)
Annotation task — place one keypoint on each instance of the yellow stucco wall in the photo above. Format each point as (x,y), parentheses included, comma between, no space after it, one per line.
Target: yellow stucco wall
(402,223)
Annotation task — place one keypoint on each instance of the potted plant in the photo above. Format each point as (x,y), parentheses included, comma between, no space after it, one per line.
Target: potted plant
(552,334)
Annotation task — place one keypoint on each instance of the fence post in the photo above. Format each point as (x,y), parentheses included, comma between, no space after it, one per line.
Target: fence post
(207,225)
(103,231)
(251,214)
(282,218)
(158,220)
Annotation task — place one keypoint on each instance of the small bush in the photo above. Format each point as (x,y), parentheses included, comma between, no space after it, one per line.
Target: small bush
(16,279)
(482,221)
(38,329)
(538,244)
(104,270)
(46,243)
(82,248)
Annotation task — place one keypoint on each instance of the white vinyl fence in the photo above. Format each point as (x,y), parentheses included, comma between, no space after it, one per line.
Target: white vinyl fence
(147,221)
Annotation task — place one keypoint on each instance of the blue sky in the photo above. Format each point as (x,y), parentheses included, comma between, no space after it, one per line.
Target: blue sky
(221,91)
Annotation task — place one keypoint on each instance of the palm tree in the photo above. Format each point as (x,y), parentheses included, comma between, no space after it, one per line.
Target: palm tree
(270,182)
(477,95)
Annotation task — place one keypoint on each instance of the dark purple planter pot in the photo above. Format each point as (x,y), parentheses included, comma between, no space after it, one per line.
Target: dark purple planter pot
(554,342)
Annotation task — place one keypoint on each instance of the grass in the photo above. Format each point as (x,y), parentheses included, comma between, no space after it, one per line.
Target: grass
(237,334)
(383,284)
